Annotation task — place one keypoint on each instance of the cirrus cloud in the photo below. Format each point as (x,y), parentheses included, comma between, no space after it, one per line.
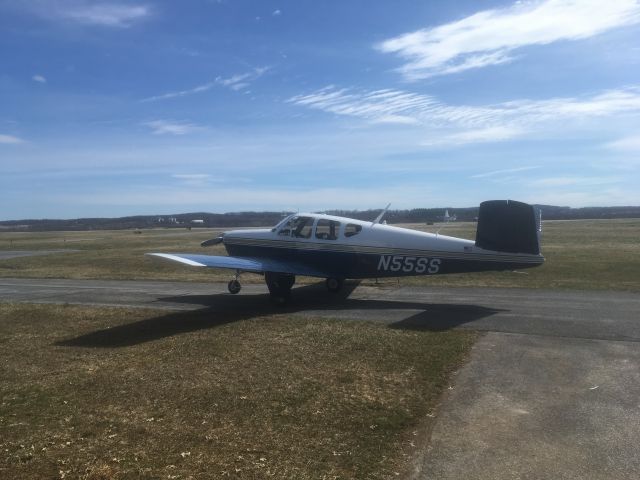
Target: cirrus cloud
(85,12)
(169,127)
(10,139)
(490,37)
(474,123)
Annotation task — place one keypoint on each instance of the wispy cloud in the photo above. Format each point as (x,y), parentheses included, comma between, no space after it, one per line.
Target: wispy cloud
(181,93)
(567,181)
(497,133)
(39,79)
(206,179)
(370,105)
(586,197)
(494,122)
(626,144)
(84,12)
(193,179)
(191,176)
(10,139)
(107,14)
(169,127)
(242,80)
(235,82)
(238,198)
(490,37)
(504,171)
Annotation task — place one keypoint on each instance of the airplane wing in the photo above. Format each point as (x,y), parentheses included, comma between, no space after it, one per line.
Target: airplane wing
(246,264)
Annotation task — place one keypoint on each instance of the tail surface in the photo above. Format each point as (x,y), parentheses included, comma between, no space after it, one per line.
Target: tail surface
(508,226)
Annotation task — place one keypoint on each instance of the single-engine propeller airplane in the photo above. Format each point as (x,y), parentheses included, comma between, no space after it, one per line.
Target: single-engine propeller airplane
(338,248)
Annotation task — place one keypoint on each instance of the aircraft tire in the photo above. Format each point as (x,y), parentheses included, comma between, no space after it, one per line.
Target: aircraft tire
(279,285)
(234,287)
(334,285)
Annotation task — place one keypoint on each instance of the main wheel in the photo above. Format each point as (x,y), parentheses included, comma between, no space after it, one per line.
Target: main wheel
(279,285)
(334,285)
(234,286)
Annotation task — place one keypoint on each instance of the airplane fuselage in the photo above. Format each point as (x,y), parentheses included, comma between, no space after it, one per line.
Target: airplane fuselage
(376,250)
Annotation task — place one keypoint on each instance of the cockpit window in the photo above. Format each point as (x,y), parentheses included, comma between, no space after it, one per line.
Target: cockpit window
(327,229)
(352,229)
(281,223)
(298,227)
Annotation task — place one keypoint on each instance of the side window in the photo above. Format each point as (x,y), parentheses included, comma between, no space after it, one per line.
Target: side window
(352,229)
(304,227)
(327,229)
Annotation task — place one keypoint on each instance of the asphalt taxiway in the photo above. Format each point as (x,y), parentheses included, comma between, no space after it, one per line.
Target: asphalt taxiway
(573,314)
(550,391)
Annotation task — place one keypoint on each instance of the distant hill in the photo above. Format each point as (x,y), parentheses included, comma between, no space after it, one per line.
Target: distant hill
(260,219)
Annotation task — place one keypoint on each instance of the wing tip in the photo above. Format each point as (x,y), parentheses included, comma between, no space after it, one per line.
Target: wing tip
(177,258)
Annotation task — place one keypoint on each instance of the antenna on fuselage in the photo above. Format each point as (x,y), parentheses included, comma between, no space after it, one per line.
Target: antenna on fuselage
(379,217)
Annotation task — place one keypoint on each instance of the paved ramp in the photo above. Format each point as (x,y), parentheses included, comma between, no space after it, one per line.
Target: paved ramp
(592,315)
(539,407)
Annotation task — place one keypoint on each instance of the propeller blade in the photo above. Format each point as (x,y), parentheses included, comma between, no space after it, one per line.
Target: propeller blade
(211,242)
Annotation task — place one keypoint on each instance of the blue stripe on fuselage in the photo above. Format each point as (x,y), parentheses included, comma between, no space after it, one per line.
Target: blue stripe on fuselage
(355,264)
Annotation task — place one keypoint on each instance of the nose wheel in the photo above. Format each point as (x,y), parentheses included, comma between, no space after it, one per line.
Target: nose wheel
(234,284)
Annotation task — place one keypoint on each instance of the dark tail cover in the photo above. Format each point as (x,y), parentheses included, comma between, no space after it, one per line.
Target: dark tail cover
(508,226)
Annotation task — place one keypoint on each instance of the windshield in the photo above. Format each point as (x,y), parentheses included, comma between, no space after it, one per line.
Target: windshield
(281,222)
(296,226)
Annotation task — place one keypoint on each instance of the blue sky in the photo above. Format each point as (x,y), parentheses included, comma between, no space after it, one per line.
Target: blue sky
(112,108)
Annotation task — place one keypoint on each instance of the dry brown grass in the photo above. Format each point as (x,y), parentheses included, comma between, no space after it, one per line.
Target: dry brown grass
(114,393)
(585,254)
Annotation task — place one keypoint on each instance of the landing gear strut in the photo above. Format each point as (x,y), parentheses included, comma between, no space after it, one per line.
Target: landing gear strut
(234,284)
(334,285)
(279,285)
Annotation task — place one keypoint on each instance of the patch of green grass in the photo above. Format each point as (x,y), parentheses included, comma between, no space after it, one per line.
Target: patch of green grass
(585,254)
(105,393)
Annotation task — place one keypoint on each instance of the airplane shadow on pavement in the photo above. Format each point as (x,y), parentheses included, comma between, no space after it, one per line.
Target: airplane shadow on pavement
(221,309)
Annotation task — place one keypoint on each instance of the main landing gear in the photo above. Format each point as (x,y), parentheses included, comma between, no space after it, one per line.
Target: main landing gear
(334,285)
(279,285)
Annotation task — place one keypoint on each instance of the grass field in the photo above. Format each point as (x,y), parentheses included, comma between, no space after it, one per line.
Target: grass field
(111,393)
(115,393)
(586,254)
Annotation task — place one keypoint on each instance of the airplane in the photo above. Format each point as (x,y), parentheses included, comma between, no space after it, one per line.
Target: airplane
(339,248)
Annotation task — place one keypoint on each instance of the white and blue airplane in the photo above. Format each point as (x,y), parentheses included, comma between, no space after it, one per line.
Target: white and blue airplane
(339,248)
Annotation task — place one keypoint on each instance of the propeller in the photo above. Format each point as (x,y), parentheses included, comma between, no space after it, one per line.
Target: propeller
(211,242)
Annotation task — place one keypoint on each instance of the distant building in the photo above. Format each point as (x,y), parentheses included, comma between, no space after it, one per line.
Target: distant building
(449,218)
(197,222)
